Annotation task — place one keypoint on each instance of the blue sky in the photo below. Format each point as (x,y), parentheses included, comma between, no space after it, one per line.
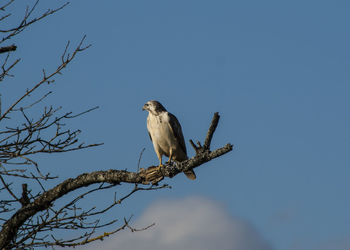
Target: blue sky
(277,71)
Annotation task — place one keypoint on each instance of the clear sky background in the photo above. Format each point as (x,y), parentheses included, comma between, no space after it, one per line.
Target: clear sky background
(278,73)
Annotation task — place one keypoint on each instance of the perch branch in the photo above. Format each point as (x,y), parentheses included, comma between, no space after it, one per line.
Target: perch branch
(146,176)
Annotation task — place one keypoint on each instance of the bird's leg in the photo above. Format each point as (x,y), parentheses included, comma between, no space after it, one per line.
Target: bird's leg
(170,156)
(160,161)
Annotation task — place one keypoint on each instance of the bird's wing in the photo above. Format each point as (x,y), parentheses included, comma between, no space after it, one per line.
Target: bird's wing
(150,136)
(177,131)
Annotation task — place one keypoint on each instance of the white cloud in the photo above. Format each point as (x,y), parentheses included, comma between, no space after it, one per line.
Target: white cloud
(193,223)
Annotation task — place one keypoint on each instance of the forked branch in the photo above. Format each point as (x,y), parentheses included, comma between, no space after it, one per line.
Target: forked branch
(150,176)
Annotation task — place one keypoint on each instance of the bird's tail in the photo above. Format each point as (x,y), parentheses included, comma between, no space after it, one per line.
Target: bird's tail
(190,174)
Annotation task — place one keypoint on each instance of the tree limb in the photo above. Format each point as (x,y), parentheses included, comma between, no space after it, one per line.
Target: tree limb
(147,176)
(8,48)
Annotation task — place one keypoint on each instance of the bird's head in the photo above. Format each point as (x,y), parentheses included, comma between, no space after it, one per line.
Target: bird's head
(153,107)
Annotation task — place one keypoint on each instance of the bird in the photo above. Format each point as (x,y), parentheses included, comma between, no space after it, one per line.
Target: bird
(166,135)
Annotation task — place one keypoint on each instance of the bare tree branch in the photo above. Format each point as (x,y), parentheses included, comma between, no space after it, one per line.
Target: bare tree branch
(66,59)
(23,135)
(7,187)
(6,69)
(30,212)
(3,7)
(147,176)
(27,20)
(213,125)
(24,22)
(8,48)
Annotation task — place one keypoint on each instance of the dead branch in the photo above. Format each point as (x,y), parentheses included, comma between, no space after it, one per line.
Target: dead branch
(27,19)
(66,59)
(43,134)
(23,134)
(8,48)
(24,21)
(3,7)
(149,176)
(6,68)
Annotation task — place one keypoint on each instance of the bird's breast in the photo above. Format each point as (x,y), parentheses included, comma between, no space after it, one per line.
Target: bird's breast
(160,130)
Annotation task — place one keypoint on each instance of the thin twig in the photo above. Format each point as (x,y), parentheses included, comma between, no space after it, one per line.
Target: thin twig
(139,161)
(8,188)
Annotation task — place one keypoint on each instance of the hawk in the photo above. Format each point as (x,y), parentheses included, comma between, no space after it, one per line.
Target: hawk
(166,134)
